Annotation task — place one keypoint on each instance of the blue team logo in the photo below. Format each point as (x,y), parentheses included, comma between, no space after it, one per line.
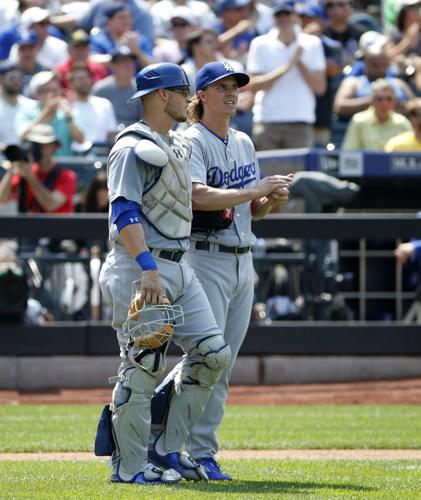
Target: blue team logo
(238,177)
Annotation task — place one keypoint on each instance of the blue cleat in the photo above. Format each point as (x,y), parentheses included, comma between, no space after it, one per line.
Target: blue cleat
(213,469)
(184,465)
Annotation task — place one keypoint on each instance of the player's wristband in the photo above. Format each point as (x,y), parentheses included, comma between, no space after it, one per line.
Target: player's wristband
(146,261)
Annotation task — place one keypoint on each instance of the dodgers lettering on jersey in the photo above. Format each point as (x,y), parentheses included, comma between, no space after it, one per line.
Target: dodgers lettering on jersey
(230,164)
(236,178)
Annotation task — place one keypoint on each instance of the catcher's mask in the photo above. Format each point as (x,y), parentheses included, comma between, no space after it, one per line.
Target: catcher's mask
(150,327)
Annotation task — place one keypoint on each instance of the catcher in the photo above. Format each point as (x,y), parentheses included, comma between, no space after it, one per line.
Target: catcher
(155,295)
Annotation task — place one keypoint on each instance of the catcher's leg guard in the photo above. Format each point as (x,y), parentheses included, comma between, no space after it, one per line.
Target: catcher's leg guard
(186,391)
(131,414)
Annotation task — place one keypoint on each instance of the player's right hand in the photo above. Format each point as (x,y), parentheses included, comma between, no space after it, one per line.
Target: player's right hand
(150,288)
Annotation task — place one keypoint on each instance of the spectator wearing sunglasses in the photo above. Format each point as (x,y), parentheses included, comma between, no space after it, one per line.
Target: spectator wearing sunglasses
(11,27)
(174,49)
(340,28)
(96,16)
(411,140)
(312,22)
(237,27)
(50,49)
(119,31)
(372,128)
(288,70)
(163,12)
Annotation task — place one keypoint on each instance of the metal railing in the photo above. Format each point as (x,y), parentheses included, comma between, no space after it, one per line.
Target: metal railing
(361,227)
(288,337)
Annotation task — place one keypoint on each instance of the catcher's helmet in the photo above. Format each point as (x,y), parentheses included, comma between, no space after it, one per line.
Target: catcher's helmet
(149,327)
(159,76)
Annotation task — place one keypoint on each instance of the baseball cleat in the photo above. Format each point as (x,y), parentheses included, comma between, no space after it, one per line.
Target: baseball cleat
(213,469)
(183,464)
(151,476)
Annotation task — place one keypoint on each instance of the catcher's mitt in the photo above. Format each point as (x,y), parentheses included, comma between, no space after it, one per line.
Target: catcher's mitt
(150,327)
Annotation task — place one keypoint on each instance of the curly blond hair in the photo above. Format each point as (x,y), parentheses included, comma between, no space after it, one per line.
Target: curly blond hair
(195,110)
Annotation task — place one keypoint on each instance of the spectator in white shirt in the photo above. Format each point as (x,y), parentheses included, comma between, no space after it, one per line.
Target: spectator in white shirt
(95,115)
(288,70)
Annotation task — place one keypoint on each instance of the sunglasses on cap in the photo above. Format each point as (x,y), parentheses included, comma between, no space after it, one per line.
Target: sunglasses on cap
(332,5)
(282,13)
(387,98)
(179,24)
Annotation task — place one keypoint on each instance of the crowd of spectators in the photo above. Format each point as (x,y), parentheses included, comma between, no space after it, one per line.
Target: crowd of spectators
(344,73)
(314,66)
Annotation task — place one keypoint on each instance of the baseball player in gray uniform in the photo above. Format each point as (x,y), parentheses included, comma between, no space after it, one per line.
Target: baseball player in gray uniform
(226,185)
(225,175)
(150,285)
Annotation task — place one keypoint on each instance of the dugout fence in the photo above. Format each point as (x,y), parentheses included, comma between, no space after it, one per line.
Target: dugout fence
(357,337)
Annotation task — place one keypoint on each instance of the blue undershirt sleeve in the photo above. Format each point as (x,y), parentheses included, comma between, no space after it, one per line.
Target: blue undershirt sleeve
(125,212)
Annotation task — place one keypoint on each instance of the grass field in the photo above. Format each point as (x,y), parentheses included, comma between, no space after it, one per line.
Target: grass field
(254,479)
(72,428)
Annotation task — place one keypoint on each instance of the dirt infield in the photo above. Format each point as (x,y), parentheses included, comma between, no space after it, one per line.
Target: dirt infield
(377,392)
(361,454)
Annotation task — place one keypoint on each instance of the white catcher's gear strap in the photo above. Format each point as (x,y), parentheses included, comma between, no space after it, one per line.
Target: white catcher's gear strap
(151,154)
(150,327)
(193,382)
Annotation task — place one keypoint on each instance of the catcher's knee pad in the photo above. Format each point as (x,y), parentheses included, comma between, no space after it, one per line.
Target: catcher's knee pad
(205,363)
(131,418)
(186,392)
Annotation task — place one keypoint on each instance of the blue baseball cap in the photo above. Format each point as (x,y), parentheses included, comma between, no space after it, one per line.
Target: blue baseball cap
(114,8)
(309,10)
(27,37)
(214,71)
(283,6)
(222,5)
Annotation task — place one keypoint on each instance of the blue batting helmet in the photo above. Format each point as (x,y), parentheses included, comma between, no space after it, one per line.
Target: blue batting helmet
(159,76)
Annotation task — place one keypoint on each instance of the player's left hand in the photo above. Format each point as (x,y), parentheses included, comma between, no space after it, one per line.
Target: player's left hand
(279,196)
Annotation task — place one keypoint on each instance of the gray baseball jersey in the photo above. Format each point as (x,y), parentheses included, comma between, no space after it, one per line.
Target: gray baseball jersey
(225,165)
